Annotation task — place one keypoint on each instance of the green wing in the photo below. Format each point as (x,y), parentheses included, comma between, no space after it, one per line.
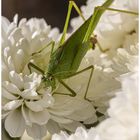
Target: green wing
(62,59)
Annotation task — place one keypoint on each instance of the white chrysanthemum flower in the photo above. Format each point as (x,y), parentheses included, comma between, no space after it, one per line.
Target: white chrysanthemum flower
(25,105)
(19,41)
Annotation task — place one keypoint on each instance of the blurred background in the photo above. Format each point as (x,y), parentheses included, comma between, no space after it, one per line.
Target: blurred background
(53,11)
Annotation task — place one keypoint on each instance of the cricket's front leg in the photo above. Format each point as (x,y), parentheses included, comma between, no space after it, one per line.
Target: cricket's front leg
(31,65)
(95,43)
(52,43)
(71,4)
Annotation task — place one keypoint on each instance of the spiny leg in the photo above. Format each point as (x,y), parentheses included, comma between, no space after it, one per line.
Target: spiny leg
(78,10)
(31,65)
(118,10)
(73,93)
(52,43)
(96,43)
(89,80)
(71,4)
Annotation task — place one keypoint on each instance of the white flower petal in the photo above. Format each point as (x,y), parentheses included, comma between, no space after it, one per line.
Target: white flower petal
(61,119)
(15,124)
(30,94)
(52,126)
(60,112)
(19,60)
(12,105)
(36,131)
(72,126)
(25,113)
(61,136)
(11,88)
(15,35)
(8,95)
(25,46)
(5,24)
(10,63)
(40,118)
(46,101)
(5,114)
(16,79)
(34,106)
(86,111)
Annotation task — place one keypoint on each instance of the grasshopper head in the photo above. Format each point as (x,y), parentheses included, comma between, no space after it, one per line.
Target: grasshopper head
(93,41)
(49,81)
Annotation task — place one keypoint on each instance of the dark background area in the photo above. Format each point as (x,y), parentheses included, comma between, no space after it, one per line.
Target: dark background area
(53,11)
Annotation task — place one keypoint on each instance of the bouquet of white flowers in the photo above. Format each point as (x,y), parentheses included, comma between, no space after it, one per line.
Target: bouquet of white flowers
(81,85)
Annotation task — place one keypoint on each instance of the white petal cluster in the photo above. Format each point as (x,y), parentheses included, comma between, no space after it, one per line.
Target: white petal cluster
(126,58)
(20,40)
(25,105)
(123,112)
(80,134)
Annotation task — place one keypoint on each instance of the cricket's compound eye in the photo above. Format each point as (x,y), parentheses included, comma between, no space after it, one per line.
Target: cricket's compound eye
(51,78)
(93,41)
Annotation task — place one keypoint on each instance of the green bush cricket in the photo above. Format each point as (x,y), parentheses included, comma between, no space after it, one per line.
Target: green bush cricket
(65,60)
